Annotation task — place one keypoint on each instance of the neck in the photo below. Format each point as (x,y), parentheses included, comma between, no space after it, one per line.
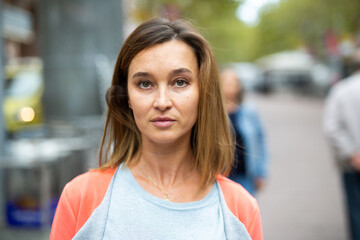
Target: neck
(231,106)
(167,165)
(168,172)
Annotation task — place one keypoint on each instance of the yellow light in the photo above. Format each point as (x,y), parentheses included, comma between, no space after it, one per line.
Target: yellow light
(26,114)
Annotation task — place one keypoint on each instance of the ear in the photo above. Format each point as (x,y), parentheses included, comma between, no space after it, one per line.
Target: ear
(129,104)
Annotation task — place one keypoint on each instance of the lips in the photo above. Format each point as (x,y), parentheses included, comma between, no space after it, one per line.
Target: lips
(162,122)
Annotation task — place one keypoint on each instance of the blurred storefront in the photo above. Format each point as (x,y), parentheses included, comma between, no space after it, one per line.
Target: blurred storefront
(18,40)
(19,29)
(57,62)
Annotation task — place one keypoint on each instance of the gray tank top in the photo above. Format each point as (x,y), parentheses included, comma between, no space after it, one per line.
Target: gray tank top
(136,214)
(129,212)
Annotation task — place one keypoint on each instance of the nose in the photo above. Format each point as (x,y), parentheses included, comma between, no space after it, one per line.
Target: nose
(162,100)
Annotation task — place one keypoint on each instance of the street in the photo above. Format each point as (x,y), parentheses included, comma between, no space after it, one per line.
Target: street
(302,198)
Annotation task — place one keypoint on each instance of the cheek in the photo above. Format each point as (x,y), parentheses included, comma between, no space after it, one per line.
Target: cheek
(140,119)
(230,93)
(137,101)
(138,111)
(138,108)
(190,106)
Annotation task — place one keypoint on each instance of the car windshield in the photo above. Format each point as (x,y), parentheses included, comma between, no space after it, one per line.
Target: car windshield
(24,84)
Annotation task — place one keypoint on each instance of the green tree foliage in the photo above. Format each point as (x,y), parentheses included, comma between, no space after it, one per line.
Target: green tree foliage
(296,23)
(215,19)
(287,25)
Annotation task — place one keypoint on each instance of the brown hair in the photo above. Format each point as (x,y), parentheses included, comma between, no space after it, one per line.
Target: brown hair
(211,140)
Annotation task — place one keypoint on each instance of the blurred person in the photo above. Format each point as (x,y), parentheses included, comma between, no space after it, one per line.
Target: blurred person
(250,165)
(342,127)
(161,172)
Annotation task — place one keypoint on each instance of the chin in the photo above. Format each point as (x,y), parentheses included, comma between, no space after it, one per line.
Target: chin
(164,140)
(168,138)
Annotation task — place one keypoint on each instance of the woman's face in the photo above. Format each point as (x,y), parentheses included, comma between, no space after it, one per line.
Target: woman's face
(164,92)
(231,86)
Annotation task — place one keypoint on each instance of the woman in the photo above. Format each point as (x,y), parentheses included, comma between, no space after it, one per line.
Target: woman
(250,156)
(166,142)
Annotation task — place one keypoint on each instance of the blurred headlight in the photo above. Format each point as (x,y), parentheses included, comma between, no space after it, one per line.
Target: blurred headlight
(26,114)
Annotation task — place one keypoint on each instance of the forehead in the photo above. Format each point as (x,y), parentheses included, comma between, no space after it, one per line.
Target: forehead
(171,54)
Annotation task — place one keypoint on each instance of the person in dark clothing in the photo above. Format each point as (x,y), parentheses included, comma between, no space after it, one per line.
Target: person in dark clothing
(250,165)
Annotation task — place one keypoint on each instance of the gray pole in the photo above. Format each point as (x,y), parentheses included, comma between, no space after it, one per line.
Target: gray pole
(2,128)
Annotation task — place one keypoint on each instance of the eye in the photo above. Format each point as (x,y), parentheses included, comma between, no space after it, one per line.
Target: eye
(181,83)
(144,84)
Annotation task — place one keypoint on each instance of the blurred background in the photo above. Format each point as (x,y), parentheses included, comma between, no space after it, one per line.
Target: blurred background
(56,63)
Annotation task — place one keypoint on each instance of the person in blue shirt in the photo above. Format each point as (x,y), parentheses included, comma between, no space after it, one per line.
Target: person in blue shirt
(250,164)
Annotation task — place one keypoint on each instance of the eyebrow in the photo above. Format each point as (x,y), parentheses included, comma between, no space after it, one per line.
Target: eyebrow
(173,72)
(180,70)
(141,74)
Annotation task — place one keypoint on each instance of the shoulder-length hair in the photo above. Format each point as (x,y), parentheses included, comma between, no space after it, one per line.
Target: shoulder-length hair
(211,140)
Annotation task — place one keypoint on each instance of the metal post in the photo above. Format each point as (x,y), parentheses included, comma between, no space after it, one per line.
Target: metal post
(2,129)
(45,194)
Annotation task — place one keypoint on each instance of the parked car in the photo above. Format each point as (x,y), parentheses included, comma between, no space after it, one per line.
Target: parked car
(249,74)
(22,106)
(296,71)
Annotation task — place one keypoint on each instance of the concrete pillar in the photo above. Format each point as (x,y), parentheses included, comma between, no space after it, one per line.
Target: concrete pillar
(74,35)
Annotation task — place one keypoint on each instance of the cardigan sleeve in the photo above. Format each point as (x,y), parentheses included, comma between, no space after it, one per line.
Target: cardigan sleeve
(64,223)
(243,206)
(255,227)
(262,156)
(80,197)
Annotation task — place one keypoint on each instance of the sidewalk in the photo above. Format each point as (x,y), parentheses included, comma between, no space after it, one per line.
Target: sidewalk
(303,195)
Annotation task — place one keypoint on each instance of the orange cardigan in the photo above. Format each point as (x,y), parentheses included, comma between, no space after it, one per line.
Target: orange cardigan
(84,194)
